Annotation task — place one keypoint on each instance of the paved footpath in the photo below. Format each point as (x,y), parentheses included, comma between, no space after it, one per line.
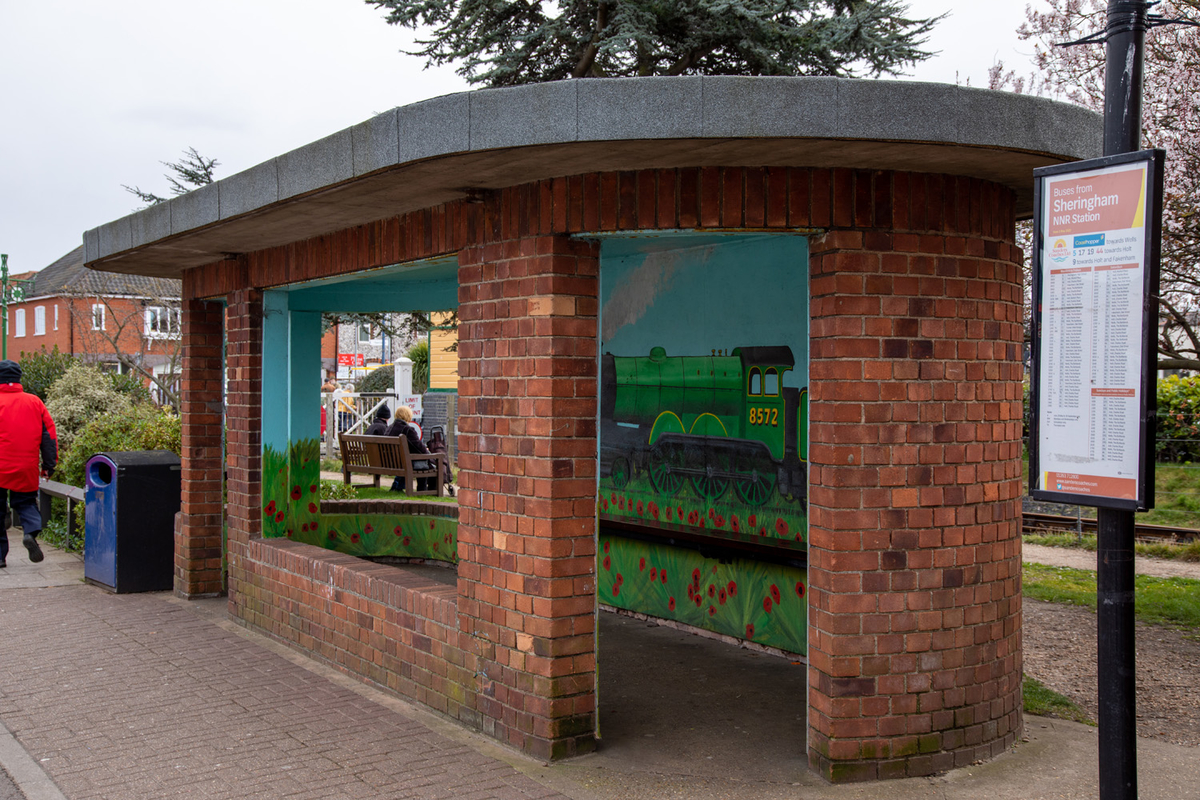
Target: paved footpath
(130,697)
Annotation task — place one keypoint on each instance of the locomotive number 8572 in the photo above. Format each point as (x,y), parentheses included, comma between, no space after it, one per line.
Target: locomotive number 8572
(715,421)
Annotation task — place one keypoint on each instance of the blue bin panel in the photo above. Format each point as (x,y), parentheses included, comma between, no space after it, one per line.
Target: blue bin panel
(100,522)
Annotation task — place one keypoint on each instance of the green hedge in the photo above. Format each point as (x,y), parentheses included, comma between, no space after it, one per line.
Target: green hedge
(1178,421)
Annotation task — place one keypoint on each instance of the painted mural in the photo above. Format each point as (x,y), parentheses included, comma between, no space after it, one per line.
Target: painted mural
(292,509)
(703,425)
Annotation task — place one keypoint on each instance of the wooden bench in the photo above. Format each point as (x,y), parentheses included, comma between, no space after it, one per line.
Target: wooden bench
(388,455)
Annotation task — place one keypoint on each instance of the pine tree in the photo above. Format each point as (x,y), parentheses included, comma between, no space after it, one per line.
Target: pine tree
(191,172)
(529,41)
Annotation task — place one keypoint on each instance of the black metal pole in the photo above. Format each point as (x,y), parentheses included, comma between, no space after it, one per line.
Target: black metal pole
(1117,686)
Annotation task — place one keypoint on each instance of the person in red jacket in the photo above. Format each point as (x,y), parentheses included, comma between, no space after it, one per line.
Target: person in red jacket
(25,430)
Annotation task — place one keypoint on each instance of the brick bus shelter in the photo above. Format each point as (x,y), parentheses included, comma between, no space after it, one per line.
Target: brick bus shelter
(742,355)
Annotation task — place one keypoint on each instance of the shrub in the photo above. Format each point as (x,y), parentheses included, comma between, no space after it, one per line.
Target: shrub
(1178,434)
(80,396)
(377,380)
(133,427)
(131,385)
(419,354)
(39,370)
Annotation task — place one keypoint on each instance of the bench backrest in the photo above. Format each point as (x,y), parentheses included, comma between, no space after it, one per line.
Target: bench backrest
(361,450)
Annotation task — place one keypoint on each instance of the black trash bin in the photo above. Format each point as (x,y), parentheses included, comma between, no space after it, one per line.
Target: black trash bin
(129,524)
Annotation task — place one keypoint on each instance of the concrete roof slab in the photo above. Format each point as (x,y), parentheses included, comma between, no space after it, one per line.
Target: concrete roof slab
(195,209)
(770,106)
(435,151)
(640,108)
(152,224)
(898,110)
(317,165)
(248,190)
(434,127)
(541,113)
(374,143)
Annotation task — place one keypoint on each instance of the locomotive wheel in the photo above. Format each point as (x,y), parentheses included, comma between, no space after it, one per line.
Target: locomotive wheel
(665,473)
(754,485)
(710,485)
(620,472)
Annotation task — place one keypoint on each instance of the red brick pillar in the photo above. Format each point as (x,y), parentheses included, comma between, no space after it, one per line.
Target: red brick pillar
(527,458)
(914,540)
(198,527)
(243,409)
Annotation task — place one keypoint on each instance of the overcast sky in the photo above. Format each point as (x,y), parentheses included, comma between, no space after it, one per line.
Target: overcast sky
(94,95)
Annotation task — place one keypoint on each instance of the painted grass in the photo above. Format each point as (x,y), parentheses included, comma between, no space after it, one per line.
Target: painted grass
(1045,702)
(1160,601)
(384,493)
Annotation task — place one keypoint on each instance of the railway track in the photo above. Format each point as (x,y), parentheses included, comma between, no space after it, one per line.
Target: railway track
(1033,523)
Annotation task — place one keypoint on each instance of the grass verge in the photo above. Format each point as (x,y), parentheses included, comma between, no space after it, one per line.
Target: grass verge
(1087,541)
(1158,601)
(1045,702)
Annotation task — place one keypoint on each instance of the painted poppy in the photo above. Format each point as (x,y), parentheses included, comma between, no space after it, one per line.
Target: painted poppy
(750,630)
(669,513)
(616,589)
(314,488)
(753,521)
(693,518)
(653,574)
(721,596)
(312,508)
(606,546)
(654,510)
(697,599)
(712,612)
(775,593)
(279,516)
(732,588)
(639,508)
(296,493)
(406,540)
(641,565)
(398,531)
(354,538)
(696,576)
(662,574)
(368,528)
(332,535)
(767,604)
(607,562)
(712,590)
(671,604)
(799,589)
(781,526)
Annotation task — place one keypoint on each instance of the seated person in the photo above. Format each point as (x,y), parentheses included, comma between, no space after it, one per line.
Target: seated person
(401,427)
(379,425)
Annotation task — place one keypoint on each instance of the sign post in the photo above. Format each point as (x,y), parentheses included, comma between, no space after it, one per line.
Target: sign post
(1095,276)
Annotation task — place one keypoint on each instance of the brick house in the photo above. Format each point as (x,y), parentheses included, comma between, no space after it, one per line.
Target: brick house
(743,354)
(101,317)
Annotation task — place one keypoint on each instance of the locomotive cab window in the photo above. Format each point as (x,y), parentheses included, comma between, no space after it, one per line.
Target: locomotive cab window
(771,382)
(755,381)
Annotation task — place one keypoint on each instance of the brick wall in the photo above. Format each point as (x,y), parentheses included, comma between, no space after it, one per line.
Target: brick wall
(915,408)
(914,538)
(527,460)
(198,564)
(243,446)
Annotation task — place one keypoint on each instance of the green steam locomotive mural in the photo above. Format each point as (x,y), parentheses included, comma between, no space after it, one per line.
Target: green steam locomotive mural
(703,428)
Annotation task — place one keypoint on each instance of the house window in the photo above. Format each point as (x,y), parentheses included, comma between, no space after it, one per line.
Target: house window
(162,322)
(97,317)
(39,321)
(369,334)
(56,316)
(19,323)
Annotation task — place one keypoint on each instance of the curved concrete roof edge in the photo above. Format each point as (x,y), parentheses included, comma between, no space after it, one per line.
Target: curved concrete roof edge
(623,109)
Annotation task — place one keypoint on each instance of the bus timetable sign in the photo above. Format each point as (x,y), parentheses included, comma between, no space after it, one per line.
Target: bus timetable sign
(1095,274)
